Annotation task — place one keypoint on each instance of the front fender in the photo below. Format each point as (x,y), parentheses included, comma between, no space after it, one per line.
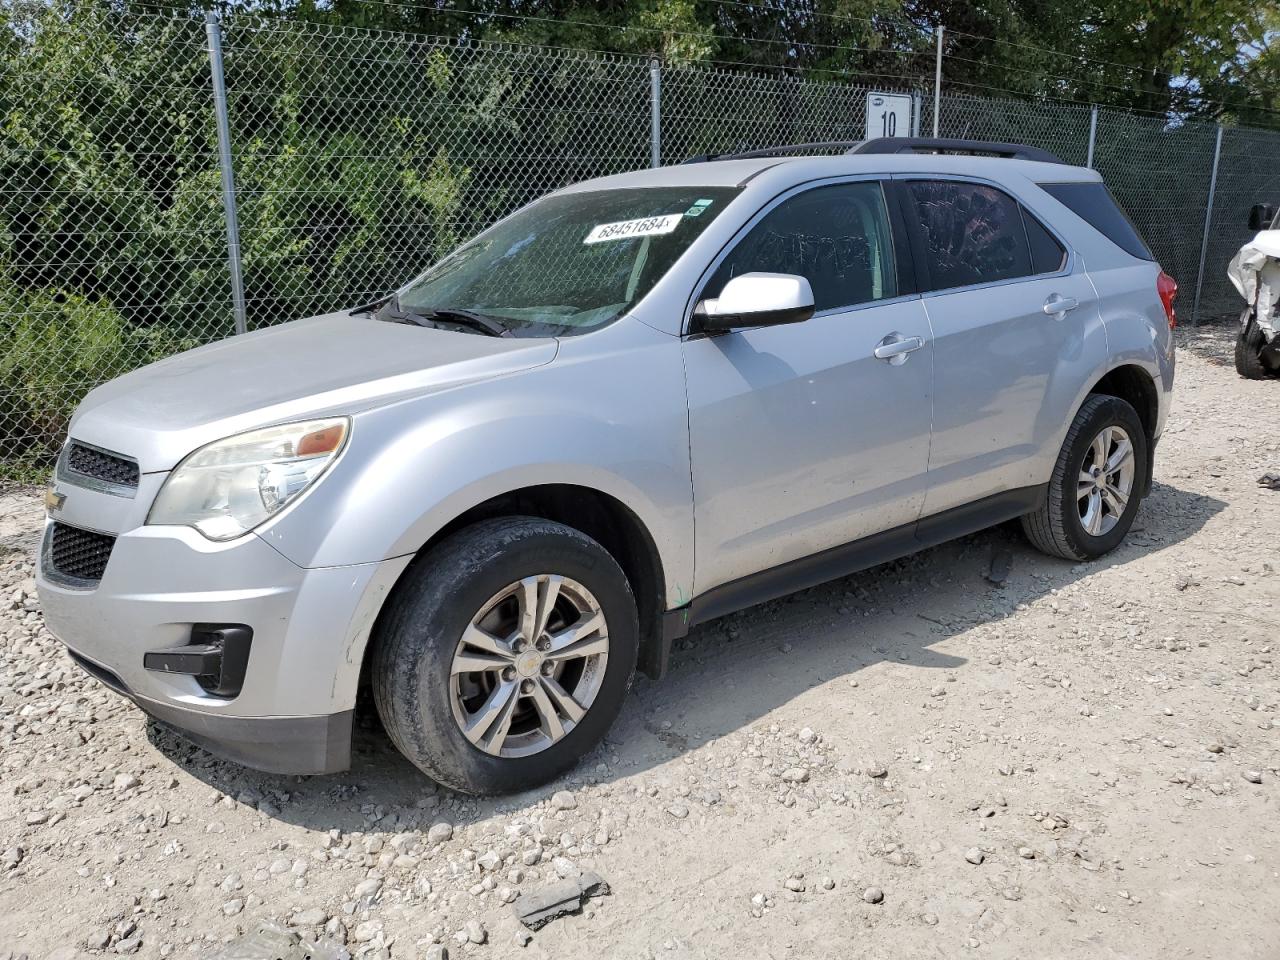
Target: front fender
(609,414)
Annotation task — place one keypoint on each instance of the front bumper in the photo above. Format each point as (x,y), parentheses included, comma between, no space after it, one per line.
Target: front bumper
(292,713)
(292,745)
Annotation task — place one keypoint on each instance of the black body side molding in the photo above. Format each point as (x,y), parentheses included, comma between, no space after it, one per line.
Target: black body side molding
(843,560)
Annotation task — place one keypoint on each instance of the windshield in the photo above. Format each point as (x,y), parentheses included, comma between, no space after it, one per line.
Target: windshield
(571,263)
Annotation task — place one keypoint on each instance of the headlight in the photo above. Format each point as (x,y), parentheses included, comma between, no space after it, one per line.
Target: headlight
(229,487)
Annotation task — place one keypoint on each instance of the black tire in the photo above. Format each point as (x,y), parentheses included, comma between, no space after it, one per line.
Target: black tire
(417,635)
(1249,346)
(1056,528)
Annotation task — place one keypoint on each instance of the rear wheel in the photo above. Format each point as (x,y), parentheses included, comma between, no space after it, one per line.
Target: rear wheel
(1096,485)
(1249,346)
(505,654)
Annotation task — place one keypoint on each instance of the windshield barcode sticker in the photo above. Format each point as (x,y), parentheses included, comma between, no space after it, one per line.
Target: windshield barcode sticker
(625,229)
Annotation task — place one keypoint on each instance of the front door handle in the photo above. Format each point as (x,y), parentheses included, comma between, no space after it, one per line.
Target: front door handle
(1057,305)
(895,347)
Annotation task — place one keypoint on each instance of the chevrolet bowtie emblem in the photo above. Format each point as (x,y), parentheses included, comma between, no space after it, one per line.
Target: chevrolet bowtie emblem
(53,500)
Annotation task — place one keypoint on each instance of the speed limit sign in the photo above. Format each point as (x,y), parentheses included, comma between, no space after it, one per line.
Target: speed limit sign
(888,115)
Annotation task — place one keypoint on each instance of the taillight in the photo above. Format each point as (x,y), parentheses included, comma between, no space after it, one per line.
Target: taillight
(1167,287)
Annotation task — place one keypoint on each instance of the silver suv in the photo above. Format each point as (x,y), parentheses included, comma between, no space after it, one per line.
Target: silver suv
(632,406)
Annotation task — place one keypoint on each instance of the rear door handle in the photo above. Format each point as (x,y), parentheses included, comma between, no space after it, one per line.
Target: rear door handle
(895,347)
(1057,305)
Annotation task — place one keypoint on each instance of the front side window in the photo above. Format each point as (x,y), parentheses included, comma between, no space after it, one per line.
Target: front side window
(972,233)
(569,263)
(836,237)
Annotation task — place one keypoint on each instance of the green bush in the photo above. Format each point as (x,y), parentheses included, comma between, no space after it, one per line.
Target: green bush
(360,157)
(55,347)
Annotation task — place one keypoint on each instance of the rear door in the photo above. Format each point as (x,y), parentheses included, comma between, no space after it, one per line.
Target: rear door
(1011,311)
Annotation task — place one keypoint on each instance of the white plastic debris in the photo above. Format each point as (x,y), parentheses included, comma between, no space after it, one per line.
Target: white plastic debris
(1255,273)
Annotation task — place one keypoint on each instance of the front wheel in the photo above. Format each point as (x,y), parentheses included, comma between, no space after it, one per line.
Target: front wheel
(505,654)
(1096,484)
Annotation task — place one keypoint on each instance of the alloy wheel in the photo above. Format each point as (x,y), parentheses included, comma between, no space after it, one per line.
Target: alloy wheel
(1106,481)
(529,665)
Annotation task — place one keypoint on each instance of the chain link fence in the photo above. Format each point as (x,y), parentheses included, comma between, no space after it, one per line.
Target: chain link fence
(1248,173)
(716,110)
(361,156)
(1060,128)
(1160,175)
(112,246)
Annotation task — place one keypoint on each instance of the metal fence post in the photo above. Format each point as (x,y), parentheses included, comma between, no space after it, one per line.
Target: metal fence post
(214,32)
(655,112)
(1093,134)
(937,84)
(1208,220)
(917,107)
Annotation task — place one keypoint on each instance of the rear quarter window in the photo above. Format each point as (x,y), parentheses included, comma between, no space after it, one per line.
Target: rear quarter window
(1092,202)
(1047,254)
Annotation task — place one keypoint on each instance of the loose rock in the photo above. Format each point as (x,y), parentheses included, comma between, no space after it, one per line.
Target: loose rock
(564,800)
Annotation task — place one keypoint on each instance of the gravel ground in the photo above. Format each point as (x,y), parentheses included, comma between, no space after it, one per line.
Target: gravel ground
(912,762)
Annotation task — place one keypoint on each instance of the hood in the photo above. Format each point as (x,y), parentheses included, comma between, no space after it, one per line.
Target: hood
(334,364)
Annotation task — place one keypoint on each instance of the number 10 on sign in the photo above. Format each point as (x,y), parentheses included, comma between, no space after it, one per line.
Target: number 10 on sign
(888,115)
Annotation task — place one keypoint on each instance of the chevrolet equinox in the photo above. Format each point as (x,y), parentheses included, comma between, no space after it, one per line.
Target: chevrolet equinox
(634,405)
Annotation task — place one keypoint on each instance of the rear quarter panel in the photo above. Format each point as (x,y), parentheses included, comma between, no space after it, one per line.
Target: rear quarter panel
(1137,330)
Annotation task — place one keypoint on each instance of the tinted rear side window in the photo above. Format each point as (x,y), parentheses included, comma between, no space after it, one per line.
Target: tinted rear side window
(972,233)
(1093,203)
(1047,254)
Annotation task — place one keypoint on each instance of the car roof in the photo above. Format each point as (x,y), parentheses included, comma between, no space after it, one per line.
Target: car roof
(736,173)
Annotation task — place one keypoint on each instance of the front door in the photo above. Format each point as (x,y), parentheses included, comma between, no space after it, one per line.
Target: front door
(801,438)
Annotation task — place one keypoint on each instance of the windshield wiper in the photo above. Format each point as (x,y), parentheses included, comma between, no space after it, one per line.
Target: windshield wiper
(375,307)
(463,318)
(390,308)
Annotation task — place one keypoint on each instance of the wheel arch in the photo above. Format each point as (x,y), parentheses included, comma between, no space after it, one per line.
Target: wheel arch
(599,515)
(1136,386)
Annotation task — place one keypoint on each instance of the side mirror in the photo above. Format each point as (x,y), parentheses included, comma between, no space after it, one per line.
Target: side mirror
(1261,215)
(756,300)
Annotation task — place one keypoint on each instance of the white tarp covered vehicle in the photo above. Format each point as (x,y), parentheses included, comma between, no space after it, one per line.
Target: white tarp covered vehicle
(1255,272)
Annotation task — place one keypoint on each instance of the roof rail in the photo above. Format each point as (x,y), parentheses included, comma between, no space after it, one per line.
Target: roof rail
(883,145)
(846,146)
(1012,151)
